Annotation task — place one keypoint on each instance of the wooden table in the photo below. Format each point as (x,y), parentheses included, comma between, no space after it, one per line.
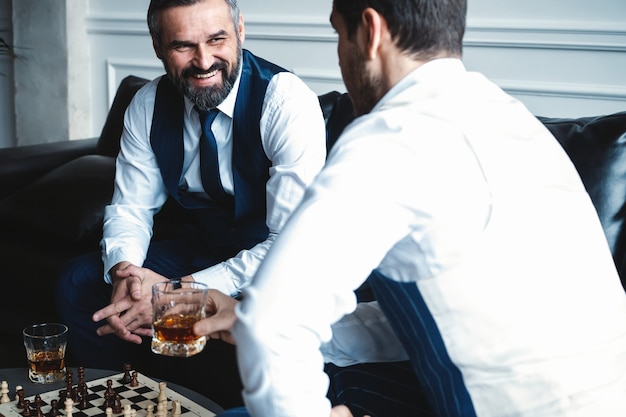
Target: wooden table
(19,376)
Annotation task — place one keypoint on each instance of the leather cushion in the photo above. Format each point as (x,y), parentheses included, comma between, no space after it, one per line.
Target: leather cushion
(109,141)
(67,203)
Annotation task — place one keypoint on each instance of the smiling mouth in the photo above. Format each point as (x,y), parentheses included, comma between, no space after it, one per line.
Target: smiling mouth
(206,75)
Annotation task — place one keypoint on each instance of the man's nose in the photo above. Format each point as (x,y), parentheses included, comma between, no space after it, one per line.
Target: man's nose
(203,57)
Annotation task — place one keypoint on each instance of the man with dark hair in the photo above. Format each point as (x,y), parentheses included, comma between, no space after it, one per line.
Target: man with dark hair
(239,187)
(490,263)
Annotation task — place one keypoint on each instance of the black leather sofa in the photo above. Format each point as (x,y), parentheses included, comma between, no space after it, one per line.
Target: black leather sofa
(52,199)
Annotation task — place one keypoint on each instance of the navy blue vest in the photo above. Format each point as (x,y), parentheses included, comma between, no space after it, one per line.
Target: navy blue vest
(240,223)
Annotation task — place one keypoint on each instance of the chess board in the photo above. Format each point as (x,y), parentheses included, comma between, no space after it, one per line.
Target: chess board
(138,397)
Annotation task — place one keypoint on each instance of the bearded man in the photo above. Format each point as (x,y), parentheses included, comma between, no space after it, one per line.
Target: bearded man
(234,140)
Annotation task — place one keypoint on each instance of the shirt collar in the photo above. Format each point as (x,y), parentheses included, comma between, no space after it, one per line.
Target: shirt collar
(440,68)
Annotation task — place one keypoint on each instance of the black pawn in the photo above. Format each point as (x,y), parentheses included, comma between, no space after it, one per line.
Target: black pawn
(117,405)
(62,396)
(126,378)
(26,412)
(38,411)
(20,398)
(54,409)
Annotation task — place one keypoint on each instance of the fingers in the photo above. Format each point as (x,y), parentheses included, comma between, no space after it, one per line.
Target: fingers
(341,411)
(113,309)
(219,324)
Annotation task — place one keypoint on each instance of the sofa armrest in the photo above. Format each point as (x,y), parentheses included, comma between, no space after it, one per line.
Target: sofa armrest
(22,165)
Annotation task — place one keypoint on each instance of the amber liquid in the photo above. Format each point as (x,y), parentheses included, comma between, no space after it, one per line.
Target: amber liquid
(46,367)
(176,329)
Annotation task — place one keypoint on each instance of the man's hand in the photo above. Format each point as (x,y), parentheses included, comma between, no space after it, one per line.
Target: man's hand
(221,318)
(129,315)
(341,411)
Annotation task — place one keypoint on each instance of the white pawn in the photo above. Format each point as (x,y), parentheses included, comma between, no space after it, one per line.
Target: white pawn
(109,412)
(5,393)
(126,410)
(17,389)
(150,410)
(69,407)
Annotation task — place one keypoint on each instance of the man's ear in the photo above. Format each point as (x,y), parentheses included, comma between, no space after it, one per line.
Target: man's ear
(372,24)
(242,29)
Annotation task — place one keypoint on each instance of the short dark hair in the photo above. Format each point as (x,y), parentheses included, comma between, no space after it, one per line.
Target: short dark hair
(157,6)
(423,28)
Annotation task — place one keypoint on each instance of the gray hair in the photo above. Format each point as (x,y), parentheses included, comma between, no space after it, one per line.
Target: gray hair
(157,6)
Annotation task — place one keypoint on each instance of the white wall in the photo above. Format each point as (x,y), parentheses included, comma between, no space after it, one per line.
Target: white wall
(560,57)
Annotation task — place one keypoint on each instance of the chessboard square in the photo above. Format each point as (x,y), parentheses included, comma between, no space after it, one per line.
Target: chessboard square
(142,389)
(93,397)
(122,389)
(139,399)
(88,412)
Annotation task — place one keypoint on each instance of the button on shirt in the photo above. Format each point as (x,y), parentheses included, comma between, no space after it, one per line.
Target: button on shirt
(452,185)
(293,138)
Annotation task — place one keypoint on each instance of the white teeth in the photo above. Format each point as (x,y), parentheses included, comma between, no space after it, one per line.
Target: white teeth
(209,75)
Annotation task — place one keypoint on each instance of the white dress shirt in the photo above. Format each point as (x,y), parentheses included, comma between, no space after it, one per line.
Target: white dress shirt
(293,138)
(453,185)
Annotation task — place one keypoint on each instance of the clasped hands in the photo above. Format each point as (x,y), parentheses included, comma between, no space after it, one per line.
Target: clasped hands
(129,316)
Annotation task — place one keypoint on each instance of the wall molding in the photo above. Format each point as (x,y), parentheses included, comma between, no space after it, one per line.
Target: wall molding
(583,36)
(563,90)
(598,36)
(118,69)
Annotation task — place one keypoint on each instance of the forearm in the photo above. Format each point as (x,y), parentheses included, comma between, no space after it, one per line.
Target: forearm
(234,274)
(363,336)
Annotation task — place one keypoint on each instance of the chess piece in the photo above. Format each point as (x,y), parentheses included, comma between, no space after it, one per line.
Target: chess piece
(54,409)
(38,401)
(26,412)
(176,409)
(109,412)
(126,378)
(62,396)
(134,379)
(17,391)
(162,395)
(133,412)
(161,409)
(69,377)
(5,392)
(117,404)
(81,375)
(38,410)
(126,410)
(150,410)
(20,397)
(69,407)
(83,403)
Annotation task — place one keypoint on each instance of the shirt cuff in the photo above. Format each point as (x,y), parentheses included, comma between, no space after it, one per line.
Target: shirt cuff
(218,277)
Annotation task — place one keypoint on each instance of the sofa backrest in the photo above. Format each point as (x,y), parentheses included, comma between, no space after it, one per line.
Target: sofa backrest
(109,141)
(597,147)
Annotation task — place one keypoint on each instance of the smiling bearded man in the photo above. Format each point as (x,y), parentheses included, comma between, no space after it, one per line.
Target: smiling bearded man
(263,148)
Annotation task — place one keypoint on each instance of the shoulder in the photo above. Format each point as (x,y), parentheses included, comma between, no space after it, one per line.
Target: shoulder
(287,89)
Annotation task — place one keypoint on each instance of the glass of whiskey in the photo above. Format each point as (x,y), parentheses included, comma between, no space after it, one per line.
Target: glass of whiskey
(45,345)
(176,307)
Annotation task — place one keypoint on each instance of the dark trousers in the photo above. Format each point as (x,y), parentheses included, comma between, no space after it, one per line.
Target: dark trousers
(82,291)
